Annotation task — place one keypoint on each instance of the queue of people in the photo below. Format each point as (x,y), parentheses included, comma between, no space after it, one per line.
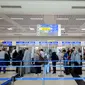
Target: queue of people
(72,57)
(4,56)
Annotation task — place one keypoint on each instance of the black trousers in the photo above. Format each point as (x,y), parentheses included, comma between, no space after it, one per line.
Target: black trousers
(77,70)
(54,67)
(38,69)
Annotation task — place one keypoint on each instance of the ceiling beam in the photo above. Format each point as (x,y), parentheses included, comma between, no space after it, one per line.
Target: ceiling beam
(82,26)
(6,18)
(42,0)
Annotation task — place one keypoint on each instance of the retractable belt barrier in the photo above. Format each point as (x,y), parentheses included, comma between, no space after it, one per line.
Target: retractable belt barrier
(61,61)
(43,61)
(44,78)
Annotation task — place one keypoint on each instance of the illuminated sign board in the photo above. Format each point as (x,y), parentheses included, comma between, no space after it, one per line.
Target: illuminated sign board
(49,30)
(8,43)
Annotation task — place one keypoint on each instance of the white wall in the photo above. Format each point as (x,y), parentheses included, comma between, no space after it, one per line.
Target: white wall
(43,38)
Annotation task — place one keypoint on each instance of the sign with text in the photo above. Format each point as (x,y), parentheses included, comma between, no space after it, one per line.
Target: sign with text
(49,30)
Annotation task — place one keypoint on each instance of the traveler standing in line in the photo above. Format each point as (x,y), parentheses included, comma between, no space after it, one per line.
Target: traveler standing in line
(2,60)
(14,56)
(27,60)
(37,63)
(7,57)
(65,58)
(75,57)
(54,58)
(19,59)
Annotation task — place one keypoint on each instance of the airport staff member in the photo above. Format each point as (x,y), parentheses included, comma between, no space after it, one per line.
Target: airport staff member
(2,59)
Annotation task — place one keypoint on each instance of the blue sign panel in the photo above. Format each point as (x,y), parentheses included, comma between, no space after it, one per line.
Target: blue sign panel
(76,43)
(25,43)
(8,43)
(48,29)
(66,43)
(19,43)
(43,43)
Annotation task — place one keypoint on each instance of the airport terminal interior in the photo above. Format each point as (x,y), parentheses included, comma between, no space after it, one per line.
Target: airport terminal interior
(42,42)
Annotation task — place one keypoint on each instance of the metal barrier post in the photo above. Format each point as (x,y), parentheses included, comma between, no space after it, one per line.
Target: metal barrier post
(61,75)
(20,69)
(44,73)
(12,83)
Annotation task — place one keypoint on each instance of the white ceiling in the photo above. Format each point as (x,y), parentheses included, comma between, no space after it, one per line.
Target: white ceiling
(41,9)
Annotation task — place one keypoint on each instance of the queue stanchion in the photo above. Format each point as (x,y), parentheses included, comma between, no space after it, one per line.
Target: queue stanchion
(44,73)
(20,68)
(61,75)
(12,81)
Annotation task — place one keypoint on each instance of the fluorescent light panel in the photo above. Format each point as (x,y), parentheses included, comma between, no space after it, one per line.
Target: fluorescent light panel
(9,28)
(17,18)
(31,28)
(83,29)
(80,18)
(36,18)
(62,19)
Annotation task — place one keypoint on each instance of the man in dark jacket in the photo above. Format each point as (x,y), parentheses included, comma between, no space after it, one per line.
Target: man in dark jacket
(54,58)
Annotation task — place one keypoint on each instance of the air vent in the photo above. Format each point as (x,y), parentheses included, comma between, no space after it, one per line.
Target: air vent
(9,6)
(78,7)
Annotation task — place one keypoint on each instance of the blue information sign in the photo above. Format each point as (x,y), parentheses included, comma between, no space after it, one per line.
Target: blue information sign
(76,43)
(48,29)
(8,43)
(25,43)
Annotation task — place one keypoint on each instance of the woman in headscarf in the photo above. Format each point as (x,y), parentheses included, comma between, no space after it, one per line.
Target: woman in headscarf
(27,60)
(75,57)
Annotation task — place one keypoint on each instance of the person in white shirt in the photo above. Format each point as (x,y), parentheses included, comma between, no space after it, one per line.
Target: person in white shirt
(2,59)
(27,60)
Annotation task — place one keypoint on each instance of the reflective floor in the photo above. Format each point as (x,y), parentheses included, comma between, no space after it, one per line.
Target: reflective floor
(47,82)
(11,72)
(6,75)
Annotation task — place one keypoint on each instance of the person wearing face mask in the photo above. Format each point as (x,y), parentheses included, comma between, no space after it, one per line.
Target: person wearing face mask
(76,61)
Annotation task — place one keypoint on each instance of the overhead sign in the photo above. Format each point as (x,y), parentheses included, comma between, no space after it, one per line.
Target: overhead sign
(76,43)
(8,43)
(49,30)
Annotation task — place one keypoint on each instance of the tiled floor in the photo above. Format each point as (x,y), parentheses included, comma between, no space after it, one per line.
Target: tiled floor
(6,75)
(40,82)
(47,82)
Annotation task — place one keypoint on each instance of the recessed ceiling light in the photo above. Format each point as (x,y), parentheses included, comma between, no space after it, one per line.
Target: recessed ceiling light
(80,19)
(17,18)
(9,28)
(83,29)
(62,19)
(62,28)
(31,28)
(36,18)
